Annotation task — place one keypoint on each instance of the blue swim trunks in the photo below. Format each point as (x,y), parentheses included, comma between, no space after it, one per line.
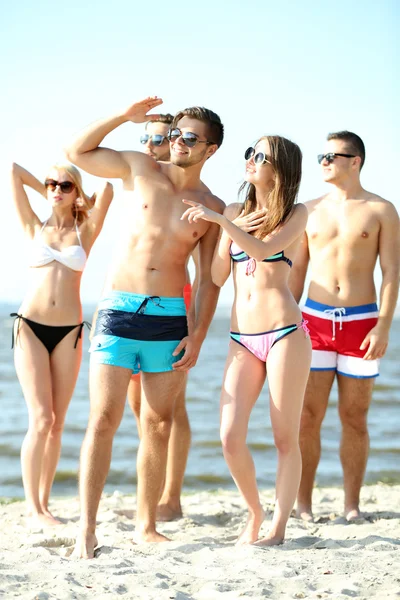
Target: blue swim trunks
(138,332)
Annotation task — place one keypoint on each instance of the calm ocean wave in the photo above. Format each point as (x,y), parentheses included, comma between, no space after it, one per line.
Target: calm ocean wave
(206,467)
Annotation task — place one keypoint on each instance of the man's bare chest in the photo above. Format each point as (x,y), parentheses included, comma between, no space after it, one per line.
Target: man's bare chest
(158,211)
(343,227)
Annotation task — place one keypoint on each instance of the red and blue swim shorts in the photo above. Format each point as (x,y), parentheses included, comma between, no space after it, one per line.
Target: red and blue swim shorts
(337,333)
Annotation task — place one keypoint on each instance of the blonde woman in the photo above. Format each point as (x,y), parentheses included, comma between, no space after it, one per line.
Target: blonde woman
(47,332)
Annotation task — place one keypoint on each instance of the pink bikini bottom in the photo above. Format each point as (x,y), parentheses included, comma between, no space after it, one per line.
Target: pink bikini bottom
(260,344)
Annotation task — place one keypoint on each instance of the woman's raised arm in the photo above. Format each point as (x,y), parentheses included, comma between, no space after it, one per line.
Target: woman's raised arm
(19,178)
(98,206)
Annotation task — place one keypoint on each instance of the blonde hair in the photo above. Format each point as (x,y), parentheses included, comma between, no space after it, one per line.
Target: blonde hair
(286,158)
(80,211)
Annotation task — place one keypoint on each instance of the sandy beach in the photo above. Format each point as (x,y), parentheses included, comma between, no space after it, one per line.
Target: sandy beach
(325,559)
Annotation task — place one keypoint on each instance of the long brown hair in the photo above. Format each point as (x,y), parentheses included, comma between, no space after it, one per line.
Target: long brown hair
(80,210)
(286,160)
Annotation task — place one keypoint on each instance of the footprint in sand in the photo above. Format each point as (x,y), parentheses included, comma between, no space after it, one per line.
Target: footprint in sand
(59,542)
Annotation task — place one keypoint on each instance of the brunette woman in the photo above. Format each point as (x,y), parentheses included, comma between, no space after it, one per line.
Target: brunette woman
(268,335)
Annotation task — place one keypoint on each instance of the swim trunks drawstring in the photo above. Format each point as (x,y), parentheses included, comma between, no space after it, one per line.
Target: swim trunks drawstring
(142,307)
(336,313)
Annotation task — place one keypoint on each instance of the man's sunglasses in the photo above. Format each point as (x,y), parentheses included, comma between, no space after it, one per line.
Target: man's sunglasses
(330,156)
(65,186)
(260,158)
(156,139)
(188,138)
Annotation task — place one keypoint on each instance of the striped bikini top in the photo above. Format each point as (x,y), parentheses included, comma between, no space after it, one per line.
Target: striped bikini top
(73,257)
(238,255)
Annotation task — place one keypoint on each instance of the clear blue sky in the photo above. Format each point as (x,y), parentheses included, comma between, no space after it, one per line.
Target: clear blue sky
(296,68)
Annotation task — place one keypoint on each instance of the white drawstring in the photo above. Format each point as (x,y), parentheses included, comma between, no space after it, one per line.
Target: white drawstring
(333,313)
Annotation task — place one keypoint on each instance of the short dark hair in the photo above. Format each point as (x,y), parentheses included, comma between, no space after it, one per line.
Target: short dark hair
(353,142)
(167,119)
(207,116)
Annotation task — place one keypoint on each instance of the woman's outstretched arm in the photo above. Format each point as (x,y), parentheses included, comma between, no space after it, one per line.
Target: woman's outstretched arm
(259,249)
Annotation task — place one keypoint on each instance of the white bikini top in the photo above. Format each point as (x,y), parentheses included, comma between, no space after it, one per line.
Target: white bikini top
(73,257)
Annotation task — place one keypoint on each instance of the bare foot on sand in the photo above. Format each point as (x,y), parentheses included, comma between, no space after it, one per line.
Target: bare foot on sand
(304,513)
(270,540)
(166,512)
(85,546)
(51,516)
(352,514)
(42,520)
(148,537)
(252,528)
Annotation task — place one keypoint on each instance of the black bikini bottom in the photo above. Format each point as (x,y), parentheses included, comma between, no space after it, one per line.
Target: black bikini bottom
(49,335)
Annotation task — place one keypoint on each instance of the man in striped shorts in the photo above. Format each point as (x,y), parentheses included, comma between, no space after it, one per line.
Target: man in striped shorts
(347,230)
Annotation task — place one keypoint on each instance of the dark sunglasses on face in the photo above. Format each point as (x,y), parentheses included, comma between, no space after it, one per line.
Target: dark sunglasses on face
(156,139)
(188,138)
(260,158)
(65,186)
(330,156)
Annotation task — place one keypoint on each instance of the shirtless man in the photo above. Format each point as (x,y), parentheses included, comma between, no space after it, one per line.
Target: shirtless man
(347,230)
(156,145)
(141,323)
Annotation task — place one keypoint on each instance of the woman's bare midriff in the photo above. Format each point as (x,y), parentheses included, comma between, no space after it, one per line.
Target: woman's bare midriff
(263,300)
(264,311)
(53,295)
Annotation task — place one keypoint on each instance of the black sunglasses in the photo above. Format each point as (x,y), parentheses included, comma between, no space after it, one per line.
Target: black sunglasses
(260,158)
(156,139)
(65,186)
(189,139)
(330,156)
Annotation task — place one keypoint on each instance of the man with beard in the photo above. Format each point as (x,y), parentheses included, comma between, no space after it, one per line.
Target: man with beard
(141,324)
(347,230)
